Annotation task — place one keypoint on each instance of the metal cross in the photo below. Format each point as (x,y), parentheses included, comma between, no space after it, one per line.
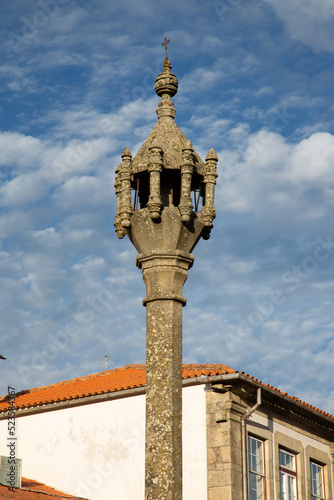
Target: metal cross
(164,44)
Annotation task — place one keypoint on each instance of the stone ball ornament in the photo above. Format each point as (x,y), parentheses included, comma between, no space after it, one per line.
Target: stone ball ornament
(166,82)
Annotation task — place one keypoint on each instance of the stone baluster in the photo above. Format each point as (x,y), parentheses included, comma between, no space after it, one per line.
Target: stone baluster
(208,210)
(118,218)
(125,176)
(155,167)
(187,169)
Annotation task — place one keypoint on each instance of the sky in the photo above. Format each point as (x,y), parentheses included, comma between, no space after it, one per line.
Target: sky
(76,88)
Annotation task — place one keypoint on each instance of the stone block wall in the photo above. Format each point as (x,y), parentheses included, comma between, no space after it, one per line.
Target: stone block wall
(224,445)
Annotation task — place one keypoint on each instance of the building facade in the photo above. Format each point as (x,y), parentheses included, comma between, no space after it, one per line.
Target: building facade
(242,439)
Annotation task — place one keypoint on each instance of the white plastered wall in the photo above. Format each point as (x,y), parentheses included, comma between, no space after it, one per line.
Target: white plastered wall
(97,451)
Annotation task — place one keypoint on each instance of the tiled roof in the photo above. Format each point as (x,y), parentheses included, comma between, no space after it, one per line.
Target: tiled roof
(37,491)
(119,379)
(127,377)
(286,395)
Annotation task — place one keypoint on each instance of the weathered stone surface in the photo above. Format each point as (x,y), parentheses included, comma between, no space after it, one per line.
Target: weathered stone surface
(224,445)
(164,400)
(166,82)
(164,259)
(166,133)
(166,236)
(171,139)
(164,174)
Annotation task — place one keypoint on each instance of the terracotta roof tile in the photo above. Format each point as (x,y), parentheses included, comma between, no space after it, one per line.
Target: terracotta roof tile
(127,377)
(292,398)
(119,379)
(37,491)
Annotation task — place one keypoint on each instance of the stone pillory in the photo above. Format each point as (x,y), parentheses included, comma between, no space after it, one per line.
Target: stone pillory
(165,204)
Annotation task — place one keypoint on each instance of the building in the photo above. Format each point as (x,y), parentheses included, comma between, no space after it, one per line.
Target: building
(33,490)
(241,438)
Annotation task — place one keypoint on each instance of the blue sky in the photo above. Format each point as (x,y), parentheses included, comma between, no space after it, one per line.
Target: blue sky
(76,87)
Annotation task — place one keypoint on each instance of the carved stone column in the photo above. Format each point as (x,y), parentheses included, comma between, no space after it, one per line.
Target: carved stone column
(187,168)
(155,168)
(210,175)
(118,218)
(125,178)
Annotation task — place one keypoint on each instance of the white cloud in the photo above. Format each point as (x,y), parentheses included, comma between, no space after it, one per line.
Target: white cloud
(24,189)
(309,21)
(89,264)
(20,150)
(8,265)
(48,237)
(79,193)
(14,222)
(288,178)
(36,165)
(265,91)
(17,79)
(313,159)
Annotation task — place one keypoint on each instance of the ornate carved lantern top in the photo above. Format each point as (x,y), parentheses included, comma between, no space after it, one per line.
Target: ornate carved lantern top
(166,171)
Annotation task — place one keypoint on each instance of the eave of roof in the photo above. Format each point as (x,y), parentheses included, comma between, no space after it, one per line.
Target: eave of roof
(105,384)
(33,490)
(130,380)
(282,399)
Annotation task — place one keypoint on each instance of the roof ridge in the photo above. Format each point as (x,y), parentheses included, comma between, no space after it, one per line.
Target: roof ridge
(208,366)
(84,377)
(132,366)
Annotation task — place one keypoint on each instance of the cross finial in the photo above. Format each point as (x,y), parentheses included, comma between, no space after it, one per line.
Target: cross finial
(164,44)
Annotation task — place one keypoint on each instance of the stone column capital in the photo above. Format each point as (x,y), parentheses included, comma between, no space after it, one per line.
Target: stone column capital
(164,274)
(176,258)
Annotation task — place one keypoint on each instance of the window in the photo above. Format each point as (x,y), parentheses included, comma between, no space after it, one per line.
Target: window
(287,475)
(256,468)
(317,481)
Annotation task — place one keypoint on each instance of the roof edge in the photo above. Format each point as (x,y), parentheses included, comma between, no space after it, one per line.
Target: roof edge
(186,382)
(304,407)
(70,403)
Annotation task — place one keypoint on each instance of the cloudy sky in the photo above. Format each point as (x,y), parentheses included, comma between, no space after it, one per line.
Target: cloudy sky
(255,83)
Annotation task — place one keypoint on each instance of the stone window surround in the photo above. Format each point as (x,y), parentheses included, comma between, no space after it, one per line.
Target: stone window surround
(286,471)
(266,437)
(320,468)
(304,455)
(263,457)
(321,458)
(285,442)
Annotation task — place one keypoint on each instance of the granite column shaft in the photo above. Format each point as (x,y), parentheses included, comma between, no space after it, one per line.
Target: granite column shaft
(164,276)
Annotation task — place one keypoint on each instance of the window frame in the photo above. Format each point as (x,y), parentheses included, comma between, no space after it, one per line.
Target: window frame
(288,472)
(262,474)
(323,490)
